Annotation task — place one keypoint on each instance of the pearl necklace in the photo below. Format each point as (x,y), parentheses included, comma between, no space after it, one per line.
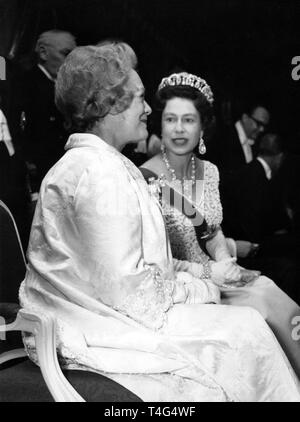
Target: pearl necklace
(187,183)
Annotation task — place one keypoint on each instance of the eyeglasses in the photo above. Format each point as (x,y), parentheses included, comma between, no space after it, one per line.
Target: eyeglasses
(259,123)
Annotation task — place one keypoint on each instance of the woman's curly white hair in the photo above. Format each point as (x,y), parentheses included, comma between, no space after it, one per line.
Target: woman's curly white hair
(92,82)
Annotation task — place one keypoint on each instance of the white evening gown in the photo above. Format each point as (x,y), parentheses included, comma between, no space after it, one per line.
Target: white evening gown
(100,261)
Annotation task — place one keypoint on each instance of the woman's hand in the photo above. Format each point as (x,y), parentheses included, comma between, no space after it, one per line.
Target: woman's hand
(225,271)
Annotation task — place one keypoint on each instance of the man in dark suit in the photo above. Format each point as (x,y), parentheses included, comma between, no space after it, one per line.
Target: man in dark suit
(43,135)
(254,210)
(233,146)
(251,209)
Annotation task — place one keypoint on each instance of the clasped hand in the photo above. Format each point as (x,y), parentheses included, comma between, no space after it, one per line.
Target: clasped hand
(228,271)
(224,271)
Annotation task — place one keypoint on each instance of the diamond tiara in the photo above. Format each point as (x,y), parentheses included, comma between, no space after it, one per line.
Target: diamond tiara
(184,78)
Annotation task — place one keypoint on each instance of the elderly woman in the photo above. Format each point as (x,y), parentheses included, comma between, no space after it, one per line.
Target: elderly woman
(99,259)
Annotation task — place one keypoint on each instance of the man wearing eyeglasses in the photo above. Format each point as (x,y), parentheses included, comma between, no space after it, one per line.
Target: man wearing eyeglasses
(233,146)
(249,127)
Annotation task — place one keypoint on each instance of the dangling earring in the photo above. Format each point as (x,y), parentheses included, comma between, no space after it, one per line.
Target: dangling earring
(202,147)
(162,148)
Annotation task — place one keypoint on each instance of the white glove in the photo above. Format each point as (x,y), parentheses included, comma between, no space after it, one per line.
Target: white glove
(191,290)
(225,271)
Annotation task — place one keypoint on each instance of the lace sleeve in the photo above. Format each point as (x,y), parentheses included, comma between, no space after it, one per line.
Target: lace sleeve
(212,204)
(150,301)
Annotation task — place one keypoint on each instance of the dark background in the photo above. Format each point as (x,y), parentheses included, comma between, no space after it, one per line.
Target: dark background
(243,49)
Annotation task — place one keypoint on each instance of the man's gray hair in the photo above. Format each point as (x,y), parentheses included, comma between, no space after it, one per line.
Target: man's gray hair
(47,37)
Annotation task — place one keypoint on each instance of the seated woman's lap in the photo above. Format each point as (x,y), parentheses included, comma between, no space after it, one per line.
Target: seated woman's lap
(264,296)
(232,343)
(220,323)
(276,307)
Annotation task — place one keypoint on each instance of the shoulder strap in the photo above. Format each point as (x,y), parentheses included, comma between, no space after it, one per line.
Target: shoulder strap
(186,207)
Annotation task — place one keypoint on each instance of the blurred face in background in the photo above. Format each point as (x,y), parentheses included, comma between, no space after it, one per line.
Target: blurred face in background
(256,122)
(53,51)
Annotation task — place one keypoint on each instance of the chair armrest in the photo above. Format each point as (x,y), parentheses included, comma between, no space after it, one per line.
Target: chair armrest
(11,355)
(43,327)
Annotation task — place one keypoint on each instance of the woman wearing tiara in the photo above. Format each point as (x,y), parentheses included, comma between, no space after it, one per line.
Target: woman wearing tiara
(187,188)
(185,102)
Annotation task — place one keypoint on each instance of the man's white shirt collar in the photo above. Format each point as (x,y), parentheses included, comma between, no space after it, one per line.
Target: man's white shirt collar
(241,133)
(5,134)
(245,142)
(266,167)
(45,71)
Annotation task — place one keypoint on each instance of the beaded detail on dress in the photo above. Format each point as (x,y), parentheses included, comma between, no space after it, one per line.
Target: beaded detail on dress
(149,306)
(181,232)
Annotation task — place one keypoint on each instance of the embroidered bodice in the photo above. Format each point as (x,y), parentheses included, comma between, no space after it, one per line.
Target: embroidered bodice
(181,232)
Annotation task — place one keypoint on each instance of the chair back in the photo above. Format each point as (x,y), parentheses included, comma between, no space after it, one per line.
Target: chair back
(12,273)
(12,259)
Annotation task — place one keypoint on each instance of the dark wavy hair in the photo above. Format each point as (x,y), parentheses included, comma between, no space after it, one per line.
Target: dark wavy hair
(91,83)
(204,108)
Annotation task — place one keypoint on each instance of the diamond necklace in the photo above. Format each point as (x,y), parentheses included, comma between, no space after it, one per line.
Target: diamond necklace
(172,171)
